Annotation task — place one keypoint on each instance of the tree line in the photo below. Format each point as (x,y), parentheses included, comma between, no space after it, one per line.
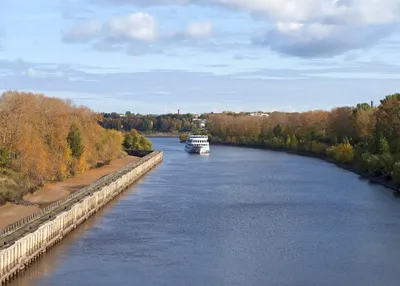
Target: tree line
(168,123)
(363,136)
(48,139)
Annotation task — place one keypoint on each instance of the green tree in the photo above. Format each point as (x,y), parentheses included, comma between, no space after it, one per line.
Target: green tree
(145,144)
(362,106)
(133,141)
(365,161)
(277,131)
(148,125)
(75,141)
(387,163)
(383,146)
(288,141)
(293,142)
(4,160)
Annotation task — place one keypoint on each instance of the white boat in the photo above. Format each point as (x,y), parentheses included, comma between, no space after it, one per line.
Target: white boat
(197,144)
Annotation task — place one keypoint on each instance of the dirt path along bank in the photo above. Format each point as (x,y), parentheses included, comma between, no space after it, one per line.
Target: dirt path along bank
(52,192)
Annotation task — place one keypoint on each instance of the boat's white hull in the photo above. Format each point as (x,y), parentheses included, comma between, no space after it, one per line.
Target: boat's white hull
(197,150)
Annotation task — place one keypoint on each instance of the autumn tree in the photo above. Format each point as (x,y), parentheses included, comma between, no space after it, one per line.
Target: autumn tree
(364,136)
(48,139)
(363,122)
(388,120)
(339,124)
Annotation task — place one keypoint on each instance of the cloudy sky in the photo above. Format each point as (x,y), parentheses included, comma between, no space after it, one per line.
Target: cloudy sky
(157,56)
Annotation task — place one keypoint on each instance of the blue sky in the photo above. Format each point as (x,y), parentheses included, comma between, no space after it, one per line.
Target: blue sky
(158,56)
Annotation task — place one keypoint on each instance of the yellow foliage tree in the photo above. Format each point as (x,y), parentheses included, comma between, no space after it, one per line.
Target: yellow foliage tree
(35,128)
(342,152)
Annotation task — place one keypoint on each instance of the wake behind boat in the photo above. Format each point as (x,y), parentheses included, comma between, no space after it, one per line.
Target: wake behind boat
(197,144)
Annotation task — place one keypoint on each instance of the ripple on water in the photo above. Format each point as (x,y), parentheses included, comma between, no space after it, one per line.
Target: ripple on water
(239,217)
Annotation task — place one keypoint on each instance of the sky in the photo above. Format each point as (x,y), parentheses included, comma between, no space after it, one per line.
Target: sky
(158,56)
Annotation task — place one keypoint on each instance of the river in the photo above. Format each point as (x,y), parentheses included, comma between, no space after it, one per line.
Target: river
(235,217)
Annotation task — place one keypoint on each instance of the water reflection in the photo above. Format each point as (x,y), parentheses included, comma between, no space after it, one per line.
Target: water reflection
(53,257)
(234,217)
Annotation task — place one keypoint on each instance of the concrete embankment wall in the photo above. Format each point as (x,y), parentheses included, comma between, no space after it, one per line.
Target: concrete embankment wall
(19,249)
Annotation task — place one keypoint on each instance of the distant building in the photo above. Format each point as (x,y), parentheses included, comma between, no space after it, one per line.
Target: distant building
(202,122)
(259,114)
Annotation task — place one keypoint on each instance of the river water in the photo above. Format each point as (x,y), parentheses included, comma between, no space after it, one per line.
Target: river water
(235,217)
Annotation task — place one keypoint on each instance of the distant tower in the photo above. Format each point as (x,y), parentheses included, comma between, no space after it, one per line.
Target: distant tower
(372,104)
(178,111)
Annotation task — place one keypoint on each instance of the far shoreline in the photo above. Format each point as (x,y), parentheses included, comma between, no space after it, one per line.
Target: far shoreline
(347,167)
(160,134)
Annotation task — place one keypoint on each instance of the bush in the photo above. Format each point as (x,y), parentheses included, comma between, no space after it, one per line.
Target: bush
(343,152)
(387,163)
(242,140)
(145,144)
(319,148)
(133,141)
(9,191)
(365,161)
(277,142)
(396,172)
(375,166)
(183,137)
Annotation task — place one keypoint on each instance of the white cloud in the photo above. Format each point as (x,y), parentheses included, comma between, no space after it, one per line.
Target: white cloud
(323,26)
(362,12)
(132,29)
(136,26)
(319,28)
(35,73)
(345,11)
(320,40)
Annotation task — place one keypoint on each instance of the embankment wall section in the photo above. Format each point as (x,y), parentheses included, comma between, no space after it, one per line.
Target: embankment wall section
(27,243)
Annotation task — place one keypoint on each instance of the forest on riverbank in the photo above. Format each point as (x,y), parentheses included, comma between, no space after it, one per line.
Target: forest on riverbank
(44,139)
(365,137)
(148,124)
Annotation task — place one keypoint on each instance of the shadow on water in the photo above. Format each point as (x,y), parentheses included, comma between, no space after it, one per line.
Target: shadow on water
(51,260)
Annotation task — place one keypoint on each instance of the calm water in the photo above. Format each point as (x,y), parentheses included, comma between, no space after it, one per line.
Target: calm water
(234,217)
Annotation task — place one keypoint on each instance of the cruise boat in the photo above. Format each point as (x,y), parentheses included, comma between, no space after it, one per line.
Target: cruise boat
(197,144)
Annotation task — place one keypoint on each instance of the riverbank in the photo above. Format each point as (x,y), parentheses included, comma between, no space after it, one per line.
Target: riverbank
(348,167)
(52,192)
(159,134)
(27,242)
